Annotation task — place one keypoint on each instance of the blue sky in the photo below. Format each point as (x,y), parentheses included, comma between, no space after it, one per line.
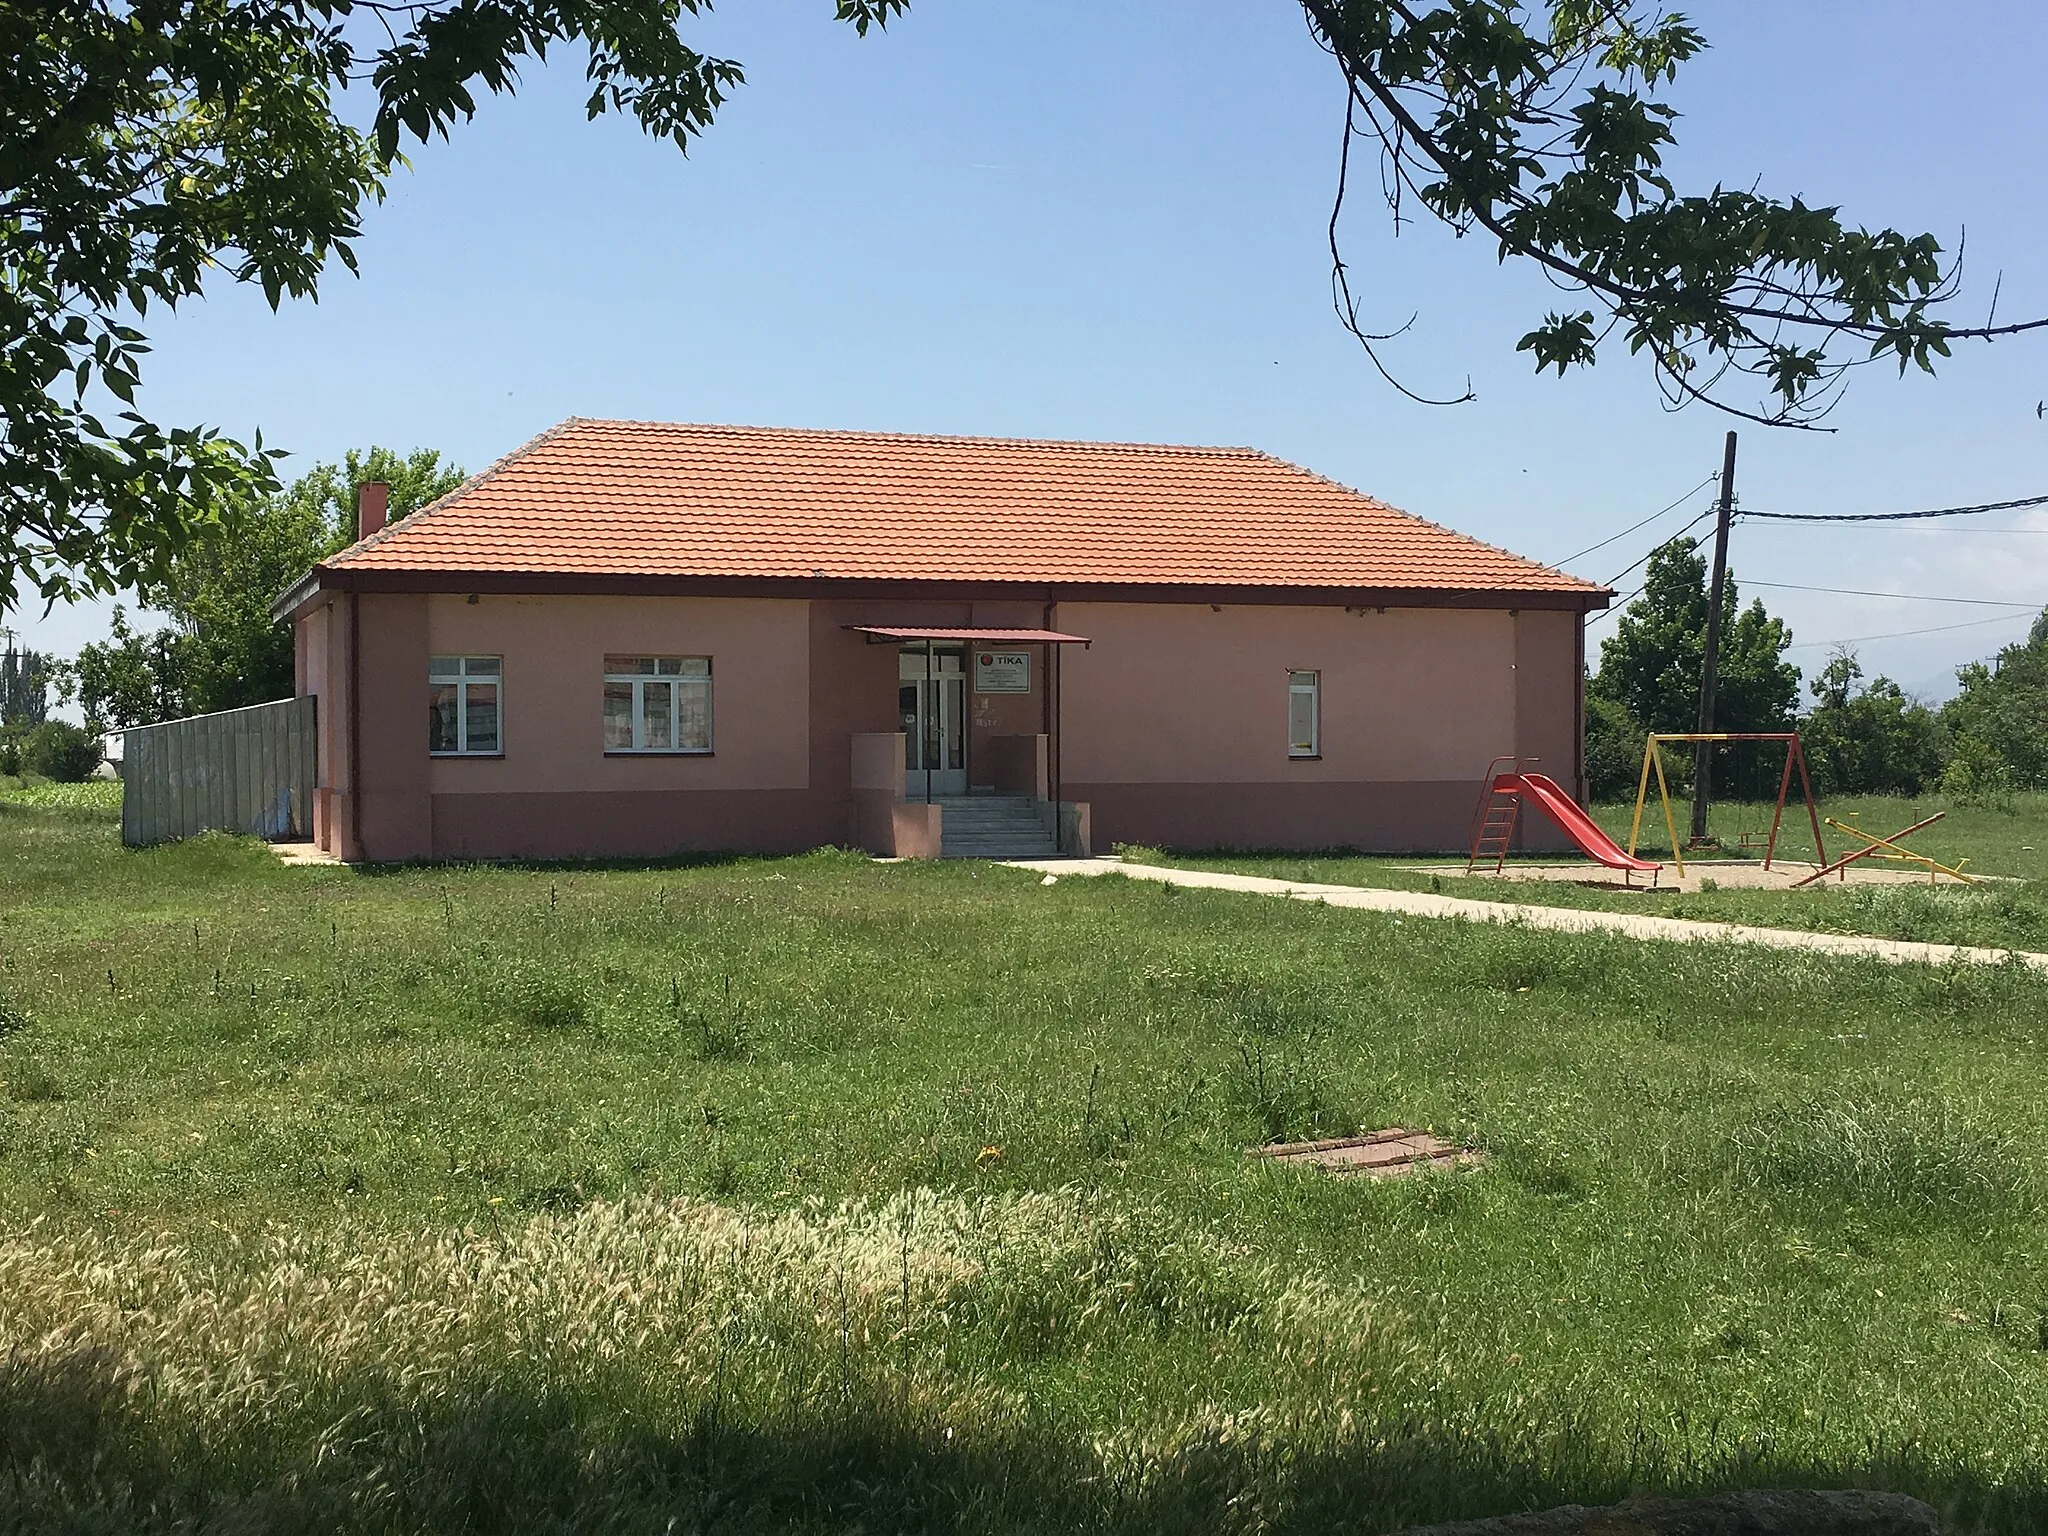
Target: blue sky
(1105,219)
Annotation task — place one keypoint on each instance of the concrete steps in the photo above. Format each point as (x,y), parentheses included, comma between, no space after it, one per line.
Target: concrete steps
(993,827)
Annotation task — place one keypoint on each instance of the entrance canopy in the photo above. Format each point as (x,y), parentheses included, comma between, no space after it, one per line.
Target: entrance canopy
(878,633)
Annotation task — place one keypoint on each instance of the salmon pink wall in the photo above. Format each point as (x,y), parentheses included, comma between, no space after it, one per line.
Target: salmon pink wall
(1547,683)
(1173,724)
(313,647)
(554,650)
(388,809)
(994,717)
(317,669)
(1185,694)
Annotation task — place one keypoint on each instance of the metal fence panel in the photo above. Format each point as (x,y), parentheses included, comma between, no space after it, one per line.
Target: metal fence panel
(243,770)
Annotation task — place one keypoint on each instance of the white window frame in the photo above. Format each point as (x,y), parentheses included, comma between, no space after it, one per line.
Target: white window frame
(1308,683)
(462,680)
(675,679)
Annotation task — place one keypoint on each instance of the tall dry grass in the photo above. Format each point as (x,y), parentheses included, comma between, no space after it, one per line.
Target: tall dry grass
(357,1378)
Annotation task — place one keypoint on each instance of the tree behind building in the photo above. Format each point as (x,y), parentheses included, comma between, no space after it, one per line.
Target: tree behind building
(223,650)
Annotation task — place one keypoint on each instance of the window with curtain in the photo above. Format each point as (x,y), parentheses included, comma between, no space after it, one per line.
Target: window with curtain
(1304,714)
(657,703)
(465,699)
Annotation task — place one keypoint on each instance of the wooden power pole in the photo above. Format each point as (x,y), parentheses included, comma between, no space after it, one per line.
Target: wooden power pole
(1703,753)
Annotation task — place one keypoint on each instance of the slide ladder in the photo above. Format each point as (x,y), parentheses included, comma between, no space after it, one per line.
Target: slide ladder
(1493,822)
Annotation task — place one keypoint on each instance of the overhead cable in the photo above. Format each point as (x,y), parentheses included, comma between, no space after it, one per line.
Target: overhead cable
(1904,597)
(1678,535)
(1897,517)
(1661,512)
(1615,607)
(1900,634)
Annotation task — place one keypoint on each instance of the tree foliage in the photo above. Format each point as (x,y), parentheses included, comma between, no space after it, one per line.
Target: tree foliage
(1651,664)
(1999,720)
(1859,738)
(128,679)
(1872,740)
(218,591)
(154,145)
(223,650)
(1543,126)
(24,688)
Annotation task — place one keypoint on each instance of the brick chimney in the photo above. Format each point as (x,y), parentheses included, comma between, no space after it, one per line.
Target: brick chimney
(373,501)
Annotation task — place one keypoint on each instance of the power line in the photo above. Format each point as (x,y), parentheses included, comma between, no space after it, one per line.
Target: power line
(1948,533)
(1661,512)
(1615,607)
(1899,517)
(1904,597)
(1900,634)
(2020,609)
(1688,528)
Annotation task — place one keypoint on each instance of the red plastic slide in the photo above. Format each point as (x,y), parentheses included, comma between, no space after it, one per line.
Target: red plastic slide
(1549,798)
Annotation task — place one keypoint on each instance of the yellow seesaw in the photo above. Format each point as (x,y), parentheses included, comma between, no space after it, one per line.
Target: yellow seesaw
(1888,848)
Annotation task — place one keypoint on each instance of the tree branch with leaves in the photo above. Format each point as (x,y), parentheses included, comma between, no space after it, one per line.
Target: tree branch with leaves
(151,147)
(1542,127)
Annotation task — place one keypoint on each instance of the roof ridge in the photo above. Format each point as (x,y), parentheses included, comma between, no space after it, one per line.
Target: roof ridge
(880,435)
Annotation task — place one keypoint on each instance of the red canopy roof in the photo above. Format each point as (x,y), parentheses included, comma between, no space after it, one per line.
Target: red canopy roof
(986,636)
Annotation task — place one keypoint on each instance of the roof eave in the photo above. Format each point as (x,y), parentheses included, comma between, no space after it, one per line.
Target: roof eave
(288,604)
(356,578)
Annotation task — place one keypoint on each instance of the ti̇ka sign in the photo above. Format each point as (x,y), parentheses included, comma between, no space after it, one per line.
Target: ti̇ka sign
(1002,672)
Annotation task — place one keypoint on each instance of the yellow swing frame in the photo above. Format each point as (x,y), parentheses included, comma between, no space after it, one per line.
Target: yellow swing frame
(1653,759)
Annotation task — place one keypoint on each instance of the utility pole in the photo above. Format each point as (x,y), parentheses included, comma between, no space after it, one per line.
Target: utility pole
(1703,753)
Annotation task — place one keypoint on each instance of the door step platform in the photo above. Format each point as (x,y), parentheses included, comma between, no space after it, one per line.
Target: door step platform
(993,827)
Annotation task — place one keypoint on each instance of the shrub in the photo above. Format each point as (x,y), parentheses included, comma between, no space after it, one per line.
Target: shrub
(1977,775)
(59,750)
(1614,748)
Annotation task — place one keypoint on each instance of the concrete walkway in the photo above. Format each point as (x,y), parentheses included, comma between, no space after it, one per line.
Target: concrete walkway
(1557,919)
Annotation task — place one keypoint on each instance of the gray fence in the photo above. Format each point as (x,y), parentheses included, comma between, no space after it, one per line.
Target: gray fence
(243,770)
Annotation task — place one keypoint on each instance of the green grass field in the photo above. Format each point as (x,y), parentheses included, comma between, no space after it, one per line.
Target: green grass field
(2009,842)
(815,1194)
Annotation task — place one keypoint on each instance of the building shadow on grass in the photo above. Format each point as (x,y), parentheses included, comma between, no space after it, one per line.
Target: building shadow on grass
(674,861)
(87,1446)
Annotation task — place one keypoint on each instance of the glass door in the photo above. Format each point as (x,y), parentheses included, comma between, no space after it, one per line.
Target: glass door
(934,716)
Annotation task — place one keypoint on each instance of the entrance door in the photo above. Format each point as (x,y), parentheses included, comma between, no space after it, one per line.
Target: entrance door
(934,722)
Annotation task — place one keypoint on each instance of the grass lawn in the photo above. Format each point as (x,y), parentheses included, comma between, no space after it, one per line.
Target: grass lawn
(816,1194)
(2010,841)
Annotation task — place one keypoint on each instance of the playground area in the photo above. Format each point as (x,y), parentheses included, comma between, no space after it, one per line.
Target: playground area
(1862,857)
(1700,874)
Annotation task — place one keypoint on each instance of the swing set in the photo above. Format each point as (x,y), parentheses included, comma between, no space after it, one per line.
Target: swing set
(1653,760)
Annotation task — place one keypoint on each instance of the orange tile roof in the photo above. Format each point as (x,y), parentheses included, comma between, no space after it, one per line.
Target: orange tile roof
(644,499)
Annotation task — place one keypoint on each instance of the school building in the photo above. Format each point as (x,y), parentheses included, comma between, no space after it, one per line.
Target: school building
(635,639)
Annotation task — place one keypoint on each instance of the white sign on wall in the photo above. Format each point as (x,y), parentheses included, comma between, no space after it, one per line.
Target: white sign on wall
(1002,672)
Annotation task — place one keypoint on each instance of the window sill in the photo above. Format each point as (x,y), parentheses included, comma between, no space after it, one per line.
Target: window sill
(659,752)
(465,757)
(1304,757)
